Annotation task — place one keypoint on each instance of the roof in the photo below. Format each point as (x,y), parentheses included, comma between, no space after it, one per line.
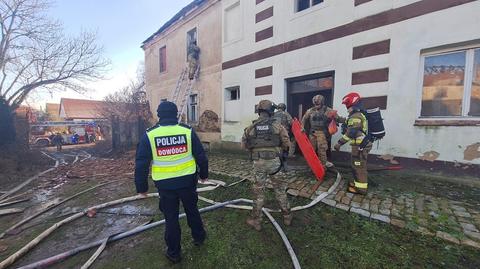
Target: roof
(52,109)
(81,109)
(182,13)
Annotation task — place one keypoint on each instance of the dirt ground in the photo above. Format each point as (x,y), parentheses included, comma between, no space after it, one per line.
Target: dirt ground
(323,237)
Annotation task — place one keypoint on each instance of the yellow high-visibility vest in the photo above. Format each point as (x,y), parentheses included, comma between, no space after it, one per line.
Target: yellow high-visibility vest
(171,152)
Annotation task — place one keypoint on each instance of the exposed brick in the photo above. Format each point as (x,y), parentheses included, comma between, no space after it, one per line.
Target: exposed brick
(346,200)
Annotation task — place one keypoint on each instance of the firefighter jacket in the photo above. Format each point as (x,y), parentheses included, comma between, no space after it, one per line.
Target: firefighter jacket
(357,129)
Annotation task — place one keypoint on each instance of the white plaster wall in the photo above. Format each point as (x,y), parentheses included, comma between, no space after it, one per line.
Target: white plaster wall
(408,38)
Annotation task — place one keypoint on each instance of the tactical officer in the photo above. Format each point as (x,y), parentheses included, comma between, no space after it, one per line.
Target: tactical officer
(177,157)
(267,140)
(315,122)
(356,131)
(192,59)
(284,118)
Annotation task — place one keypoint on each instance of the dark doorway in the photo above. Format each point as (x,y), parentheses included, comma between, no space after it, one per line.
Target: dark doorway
(301,90)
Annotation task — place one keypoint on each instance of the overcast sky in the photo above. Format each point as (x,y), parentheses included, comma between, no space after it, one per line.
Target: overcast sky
(122,25)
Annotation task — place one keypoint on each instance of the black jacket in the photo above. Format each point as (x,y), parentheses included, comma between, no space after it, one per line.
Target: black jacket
(144,158)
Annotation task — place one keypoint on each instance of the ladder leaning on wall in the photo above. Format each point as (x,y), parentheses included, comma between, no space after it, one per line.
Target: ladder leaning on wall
(177,96)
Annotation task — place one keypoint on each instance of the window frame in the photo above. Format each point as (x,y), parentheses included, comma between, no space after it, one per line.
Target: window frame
(467,84)
(160,59)
(187,41)
(228,92)
(310,5)
(189,108)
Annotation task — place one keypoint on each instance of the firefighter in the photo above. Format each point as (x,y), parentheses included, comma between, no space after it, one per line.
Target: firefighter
(356,133)
(192,59)
(315,123)
(285,119)
(175,152)
(268,143)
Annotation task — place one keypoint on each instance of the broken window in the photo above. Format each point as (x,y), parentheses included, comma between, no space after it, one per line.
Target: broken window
(301,5)
(163,59)
(232,93)
(451,84)
(191,38)
(192,108)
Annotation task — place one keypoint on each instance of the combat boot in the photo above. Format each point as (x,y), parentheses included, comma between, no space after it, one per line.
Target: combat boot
(287,219)
(254,223)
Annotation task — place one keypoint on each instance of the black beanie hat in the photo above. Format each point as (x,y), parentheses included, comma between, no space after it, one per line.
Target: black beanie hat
(166,110)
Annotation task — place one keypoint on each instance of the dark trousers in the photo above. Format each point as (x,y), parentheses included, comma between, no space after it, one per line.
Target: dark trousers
(169,204)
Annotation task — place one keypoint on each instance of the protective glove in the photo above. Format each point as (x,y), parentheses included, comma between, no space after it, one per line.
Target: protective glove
(332,114)
(337,147)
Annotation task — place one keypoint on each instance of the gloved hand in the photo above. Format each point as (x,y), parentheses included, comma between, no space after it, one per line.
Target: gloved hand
(332,114)
(337,147)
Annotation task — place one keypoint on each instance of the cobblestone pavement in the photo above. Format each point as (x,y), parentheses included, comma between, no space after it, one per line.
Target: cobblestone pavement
(454,221)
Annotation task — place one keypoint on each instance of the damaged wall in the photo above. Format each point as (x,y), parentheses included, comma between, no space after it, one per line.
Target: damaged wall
(208,22)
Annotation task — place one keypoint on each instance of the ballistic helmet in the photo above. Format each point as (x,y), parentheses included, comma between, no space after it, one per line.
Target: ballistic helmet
(318,100)
(266,106)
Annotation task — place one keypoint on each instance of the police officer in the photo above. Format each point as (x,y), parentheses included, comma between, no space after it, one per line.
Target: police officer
(177,157)
(266,140)
(356,132)
(315,122)
(285,119)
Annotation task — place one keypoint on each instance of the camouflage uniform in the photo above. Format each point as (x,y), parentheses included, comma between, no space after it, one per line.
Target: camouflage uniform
(192,59)
(265,139)
(315,122)
(357,128)
(284,118)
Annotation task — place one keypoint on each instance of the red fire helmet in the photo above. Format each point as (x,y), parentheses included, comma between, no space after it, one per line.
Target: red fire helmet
(351,99)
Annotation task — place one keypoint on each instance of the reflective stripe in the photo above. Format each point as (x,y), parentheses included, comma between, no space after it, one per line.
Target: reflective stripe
(172,169)
(361,185)
(346,138)
(353,121)
(180,161)
(357,163)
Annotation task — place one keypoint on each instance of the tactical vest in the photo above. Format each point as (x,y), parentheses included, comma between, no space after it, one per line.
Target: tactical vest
(281,117)
(262,135)
(318,120)
(171,152)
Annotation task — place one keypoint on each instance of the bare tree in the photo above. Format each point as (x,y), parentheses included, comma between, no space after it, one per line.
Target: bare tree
(35,54)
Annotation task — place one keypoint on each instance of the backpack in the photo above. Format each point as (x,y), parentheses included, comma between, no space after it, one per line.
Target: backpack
(376,129)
